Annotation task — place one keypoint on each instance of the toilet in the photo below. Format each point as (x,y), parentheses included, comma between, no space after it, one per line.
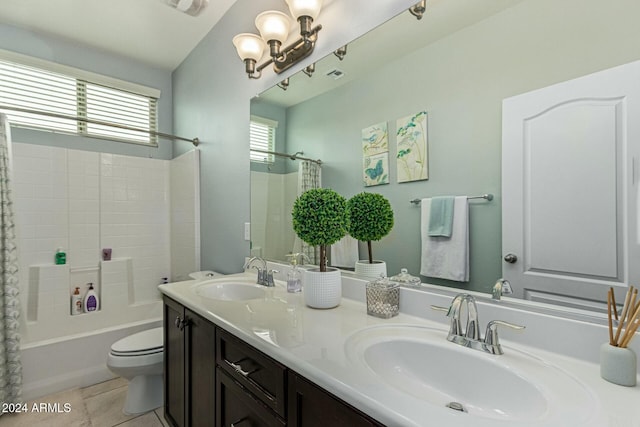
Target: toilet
(139,359)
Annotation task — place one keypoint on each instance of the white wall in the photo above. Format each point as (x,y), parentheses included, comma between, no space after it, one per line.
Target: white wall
(185,215)
(83,202)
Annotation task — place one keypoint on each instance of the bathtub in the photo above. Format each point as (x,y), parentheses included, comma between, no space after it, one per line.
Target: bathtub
(72,361)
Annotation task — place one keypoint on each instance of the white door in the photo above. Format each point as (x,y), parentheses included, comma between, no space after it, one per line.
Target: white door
(570,188)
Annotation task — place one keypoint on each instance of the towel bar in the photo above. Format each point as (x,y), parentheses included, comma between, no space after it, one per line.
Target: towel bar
(488,197)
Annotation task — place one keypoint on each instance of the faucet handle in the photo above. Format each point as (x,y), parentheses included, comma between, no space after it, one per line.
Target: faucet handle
(491,335)
(270,274)
(440,308)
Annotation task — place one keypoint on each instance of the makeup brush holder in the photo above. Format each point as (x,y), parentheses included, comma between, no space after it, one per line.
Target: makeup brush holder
(618,365)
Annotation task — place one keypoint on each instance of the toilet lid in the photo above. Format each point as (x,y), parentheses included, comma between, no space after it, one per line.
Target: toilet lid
(141,343)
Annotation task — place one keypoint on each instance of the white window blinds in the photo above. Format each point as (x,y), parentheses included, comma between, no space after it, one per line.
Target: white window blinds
(30,87)
(262,136)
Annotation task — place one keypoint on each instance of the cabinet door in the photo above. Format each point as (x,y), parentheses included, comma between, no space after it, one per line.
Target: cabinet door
(311,406)
(236,407)
(570,157)
(200,383)
(174,364)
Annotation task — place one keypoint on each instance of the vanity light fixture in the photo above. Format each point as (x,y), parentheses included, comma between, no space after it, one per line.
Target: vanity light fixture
(284,84)
(274,29)
(310,69)
(341,52)
(418,9)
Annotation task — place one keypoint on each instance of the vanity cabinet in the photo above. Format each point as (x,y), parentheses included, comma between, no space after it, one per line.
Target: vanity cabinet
(311,406)
(189,368)
(213,378)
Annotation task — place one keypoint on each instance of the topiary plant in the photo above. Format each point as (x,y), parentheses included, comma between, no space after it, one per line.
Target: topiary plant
(319,219)
(369,217)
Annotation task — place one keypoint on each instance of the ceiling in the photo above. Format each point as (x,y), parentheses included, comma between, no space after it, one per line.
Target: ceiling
(149,31)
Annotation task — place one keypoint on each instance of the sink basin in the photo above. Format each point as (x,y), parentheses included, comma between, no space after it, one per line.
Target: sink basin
(420,362)
(230,290)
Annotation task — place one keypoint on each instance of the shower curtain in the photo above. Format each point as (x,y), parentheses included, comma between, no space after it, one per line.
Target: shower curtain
(309,176)
(10,365)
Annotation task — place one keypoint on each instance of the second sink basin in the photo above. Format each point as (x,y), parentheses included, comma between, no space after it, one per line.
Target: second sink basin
(229,289)
(514,387)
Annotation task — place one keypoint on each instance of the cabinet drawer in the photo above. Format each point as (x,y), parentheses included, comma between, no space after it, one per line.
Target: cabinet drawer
(258,373)
(238,408)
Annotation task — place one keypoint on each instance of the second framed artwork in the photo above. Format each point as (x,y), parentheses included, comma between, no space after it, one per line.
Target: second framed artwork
(412,158)
(412,154)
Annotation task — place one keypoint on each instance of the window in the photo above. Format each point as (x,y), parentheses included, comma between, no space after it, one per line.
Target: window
(262,136)
(69,95)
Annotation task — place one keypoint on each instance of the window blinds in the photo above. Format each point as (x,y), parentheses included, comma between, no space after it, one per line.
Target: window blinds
(29,87)
(262,136)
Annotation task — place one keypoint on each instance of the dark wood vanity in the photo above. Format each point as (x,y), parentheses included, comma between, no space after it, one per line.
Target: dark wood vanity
(213,378)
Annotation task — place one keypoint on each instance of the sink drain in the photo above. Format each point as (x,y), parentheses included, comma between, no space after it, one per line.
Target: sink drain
(456,406)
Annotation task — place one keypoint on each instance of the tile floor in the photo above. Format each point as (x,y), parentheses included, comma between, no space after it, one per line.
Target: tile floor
(99,405)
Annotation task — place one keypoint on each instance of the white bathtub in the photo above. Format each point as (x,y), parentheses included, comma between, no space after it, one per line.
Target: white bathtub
(73,361)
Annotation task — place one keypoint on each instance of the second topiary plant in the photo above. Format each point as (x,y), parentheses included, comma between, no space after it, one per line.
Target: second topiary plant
(369,218)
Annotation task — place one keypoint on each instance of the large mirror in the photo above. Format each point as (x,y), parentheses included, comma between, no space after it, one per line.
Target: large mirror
(458,63)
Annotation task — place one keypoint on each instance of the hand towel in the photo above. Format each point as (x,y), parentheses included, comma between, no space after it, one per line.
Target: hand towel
(344,253)
(446,257)
(441,216)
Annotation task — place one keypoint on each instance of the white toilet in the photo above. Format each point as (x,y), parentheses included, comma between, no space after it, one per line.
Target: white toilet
(138,358)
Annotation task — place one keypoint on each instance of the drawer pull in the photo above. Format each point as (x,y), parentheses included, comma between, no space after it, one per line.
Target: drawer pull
(237,423)
(238,369)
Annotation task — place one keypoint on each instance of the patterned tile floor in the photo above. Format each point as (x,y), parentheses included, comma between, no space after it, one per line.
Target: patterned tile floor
(99,405)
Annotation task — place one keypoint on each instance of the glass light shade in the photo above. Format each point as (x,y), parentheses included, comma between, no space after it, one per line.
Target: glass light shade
(309,8)
(249,46)
(273,25)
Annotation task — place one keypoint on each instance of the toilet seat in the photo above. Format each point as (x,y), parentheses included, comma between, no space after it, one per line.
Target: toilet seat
(140,344)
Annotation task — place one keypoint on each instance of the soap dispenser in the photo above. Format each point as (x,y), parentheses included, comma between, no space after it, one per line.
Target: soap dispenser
(76,302)
(294,282)
(91,300)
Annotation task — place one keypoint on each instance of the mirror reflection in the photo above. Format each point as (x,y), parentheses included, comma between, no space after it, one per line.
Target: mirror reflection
(457,64)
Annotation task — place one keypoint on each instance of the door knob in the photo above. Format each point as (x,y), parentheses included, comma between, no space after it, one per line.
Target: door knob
(511,258)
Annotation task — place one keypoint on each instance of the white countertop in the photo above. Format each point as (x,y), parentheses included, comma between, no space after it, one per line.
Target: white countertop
(312,343)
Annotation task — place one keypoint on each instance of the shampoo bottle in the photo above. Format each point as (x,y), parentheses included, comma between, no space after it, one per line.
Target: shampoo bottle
(76,302)
(91,300)
(294,283)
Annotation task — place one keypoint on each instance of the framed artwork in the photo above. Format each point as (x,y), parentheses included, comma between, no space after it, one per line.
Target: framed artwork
(375,139)
(376,169)
(375,154)
(412,158)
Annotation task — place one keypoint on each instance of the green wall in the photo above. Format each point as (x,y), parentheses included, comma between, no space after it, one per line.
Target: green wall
(461,81)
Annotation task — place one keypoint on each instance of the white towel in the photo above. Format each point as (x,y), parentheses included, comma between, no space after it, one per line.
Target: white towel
(344,253)
(446,257)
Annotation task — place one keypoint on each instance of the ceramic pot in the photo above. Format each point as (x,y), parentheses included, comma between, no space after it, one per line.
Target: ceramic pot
(363,268)
(618,365)
(322,289)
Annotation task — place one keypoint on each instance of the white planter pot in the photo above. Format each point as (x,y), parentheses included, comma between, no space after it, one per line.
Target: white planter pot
(363,268)
(322,289)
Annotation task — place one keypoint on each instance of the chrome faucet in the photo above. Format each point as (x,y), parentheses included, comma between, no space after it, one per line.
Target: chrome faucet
(502,287)
(265,277)
(262,272)
(470,337)
(472,329)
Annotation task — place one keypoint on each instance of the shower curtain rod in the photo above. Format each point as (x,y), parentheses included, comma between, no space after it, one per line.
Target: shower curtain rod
(290,156)
(194,141)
